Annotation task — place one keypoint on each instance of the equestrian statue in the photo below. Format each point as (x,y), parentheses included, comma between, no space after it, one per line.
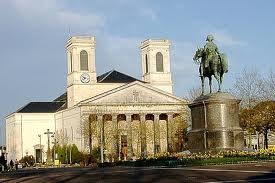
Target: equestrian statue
(211,62)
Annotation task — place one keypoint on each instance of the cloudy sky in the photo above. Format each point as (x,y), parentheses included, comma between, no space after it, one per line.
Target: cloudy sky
(33,34)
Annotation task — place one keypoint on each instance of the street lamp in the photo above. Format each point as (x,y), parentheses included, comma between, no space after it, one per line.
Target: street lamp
(49,150)
(40,148)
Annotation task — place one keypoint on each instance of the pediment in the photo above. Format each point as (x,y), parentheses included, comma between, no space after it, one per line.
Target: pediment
(135,92)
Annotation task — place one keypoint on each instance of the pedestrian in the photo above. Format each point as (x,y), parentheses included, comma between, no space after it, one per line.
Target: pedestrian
(11,164)
(3,161)
(16,164)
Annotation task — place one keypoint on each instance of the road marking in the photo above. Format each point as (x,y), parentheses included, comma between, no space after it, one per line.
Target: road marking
(244,180)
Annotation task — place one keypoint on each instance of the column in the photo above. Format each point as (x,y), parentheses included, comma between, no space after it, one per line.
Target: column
(156,134)
(129,136)
(101,137)
(115,149)
(169,133)
(143,135)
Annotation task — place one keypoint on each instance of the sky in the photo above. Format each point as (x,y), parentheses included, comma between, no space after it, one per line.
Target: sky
(33,34)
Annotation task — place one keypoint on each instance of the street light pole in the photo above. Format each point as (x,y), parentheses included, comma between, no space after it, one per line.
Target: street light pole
(40,148)
(49,149)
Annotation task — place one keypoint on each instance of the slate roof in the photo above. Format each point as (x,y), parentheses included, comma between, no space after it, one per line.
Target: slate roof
(60,102)
(114,76)
(40,107)
(61,98)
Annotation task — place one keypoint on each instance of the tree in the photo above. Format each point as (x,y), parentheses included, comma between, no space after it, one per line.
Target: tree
(75,154)
(93,129)
(194,93)
(61,151)
(246,117)
(247,121)
(265,118)
(89,127)
(269,86)
(253,88)
(180,124)
(248,87)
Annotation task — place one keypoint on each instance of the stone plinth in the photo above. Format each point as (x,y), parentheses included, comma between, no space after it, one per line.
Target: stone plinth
(215,123)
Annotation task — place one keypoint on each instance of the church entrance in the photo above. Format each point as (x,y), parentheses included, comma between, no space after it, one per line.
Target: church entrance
(38,157)
(123,153)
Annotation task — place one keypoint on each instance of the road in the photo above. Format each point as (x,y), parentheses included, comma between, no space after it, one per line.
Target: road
(257,172)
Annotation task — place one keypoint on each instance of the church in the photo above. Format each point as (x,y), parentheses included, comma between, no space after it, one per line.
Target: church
(128,117)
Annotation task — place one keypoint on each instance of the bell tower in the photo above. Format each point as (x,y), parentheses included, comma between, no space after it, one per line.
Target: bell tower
(81,68)
(155,61)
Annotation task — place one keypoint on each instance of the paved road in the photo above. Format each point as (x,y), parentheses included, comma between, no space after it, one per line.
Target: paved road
(263,172)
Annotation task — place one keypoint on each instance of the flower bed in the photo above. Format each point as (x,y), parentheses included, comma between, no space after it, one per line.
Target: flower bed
(199,159)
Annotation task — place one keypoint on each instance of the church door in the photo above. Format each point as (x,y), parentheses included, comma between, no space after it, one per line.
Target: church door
(38,155)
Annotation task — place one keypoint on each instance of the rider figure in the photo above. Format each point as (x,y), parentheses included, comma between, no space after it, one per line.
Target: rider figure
(211,50)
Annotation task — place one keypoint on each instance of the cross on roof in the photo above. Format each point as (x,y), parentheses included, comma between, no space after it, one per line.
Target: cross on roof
(135,95)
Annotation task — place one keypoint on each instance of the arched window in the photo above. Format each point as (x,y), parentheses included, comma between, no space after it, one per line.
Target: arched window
(83,60)
(159,62)
(71,61)
(146,63)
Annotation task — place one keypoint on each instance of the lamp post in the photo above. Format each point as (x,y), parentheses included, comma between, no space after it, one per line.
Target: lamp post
(40,148)
(48,152)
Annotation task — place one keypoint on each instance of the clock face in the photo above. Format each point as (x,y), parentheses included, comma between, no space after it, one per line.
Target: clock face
(85,78)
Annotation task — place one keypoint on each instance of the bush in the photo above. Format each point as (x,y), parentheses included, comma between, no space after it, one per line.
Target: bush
(96,154)
(65,151)
(87,159)
(27,161)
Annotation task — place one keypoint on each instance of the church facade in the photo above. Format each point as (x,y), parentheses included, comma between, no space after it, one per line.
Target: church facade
(125,116)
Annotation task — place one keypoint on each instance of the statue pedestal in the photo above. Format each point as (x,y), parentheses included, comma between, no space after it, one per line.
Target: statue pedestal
(215,123)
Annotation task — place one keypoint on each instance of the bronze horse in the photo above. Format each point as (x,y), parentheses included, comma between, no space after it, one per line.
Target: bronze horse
(217,67)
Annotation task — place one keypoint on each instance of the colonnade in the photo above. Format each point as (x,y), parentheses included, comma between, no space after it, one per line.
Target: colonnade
(123,131)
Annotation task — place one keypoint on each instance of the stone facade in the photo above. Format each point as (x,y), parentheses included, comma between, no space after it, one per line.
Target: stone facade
(159,77)
(215,123)
(126,116)
(22,130)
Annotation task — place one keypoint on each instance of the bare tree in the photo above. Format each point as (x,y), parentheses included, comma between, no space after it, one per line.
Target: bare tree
(193,93)
(248,87)
(98,130)
(268,86)
(88,129)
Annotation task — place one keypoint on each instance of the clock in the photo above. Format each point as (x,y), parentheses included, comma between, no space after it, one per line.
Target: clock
(85,78)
